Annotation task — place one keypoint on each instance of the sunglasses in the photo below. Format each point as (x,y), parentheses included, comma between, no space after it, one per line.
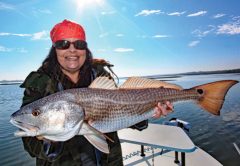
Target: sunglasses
(64,44)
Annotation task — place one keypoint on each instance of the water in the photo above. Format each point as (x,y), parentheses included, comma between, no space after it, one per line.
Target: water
(214,134)
(11,148)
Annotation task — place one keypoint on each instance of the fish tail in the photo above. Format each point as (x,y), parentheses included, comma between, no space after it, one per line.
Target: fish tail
(213,95)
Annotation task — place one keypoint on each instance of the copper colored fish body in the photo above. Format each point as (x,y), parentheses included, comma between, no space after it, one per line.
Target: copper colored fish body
(112,110)
(61,116)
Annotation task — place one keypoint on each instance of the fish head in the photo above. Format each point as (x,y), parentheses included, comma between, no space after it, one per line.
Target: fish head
(47,118)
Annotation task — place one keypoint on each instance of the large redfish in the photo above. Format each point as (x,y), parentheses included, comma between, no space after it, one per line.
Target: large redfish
(62,115)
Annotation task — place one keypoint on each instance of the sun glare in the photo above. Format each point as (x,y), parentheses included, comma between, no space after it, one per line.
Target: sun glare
(84,4)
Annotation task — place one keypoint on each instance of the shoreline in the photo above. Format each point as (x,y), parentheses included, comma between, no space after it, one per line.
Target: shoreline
(169,76)
(157,76)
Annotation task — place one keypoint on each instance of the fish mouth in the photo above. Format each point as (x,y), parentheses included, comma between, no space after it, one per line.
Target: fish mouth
(24,127)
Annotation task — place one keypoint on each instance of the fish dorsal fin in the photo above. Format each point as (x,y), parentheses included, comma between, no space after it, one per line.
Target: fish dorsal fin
(138,82)
(103,82)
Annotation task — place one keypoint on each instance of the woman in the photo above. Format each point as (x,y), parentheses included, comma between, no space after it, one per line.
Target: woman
(69,65)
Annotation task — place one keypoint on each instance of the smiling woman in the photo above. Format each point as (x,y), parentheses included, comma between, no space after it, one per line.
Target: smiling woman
(67,66)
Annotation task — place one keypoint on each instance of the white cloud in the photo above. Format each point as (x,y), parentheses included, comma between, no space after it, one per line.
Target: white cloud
(4,49)
(236,18)
(124,50)
(39,12)
(176,13)
(43,35)
(160,36)
(101,50)
(200,33)
(103,35)
(45,11)
(21,50)
(108,13)
(200,13)
(193,43)
(219,15)
(4,34)
(21,35)
(148,12)
(14,34)
(231,29)
(119,35)
(154,36)
(5,6)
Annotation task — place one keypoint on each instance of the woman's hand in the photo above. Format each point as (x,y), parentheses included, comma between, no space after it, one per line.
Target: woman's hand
(41,138)
(162,109)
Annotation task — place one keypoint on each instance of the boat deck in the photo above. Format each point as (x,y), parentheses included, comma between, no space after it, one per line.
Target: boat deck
(163,145)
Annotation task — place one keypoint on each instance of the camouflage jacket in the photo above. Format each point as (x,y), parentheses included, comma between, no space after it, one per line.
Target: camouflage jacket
(76,151)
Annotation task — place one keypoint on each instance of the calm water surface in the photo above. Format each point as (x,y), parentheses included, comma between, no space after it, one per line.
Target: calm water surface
(214,134)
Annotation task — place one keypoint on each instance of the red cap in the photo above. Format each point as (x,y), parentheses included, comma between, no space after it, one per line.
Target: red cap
(67,29)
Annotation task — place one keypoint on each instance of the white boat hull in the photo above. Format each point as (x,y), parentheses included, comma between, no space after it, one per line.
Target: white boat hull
(161,151)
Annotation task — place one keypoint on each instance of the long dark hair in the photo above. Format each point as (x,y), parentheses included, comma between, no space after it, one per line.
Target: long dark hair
(51,66)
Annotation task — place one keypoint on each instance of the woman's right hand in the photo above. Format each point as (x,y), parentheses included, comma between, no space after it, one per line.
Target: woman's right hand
(162,109)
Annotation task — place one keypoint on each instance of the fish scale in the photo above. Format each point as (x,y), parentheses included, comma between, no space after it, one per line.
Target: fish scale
(115,106)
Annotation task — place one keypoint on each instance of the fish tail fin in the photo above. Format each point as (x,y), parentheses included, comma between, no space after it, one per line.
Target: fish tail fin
(213,95)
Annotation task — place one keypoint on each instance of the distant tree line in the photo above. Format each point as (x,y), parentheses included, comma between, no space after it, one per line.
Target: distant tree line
(213,72)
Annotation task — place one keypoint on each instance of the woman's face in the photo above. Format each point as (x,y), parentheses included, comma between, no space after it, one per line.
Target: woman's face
(71,59)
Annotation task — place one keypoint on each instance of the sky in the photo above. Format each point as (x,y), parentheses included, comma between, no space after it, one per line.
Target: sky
(140,37)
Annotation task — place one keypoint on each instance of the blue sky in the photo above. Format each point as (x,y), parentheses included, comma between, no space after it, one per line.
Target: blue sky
(140,37)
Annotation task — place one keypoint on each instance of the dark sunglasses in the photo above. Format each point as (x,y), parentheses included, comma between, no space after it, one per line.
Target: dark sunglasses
(64,44)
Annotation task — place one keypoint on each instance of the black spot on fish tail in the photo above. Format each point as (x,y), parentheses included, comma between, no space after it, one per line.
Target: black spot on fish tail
(200,91)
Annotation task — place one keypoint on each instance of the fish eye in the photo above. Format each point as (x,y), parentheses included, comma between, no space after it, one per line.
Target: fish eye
(35,112)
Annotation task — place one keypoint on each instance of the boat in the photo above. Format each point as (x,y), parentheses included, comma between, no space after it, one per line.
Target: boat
(164,144)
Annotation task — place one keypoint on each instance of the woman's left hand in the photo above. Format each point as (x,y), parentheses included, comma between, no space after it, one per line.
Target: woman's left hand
(162,109)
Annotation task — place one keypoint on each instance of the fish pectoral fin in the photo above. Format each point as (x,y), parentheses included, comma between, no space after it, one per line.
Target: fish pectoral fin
(21,133)
(98,142)
(103,83)
(139,82)
(88,129)
(95,137)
